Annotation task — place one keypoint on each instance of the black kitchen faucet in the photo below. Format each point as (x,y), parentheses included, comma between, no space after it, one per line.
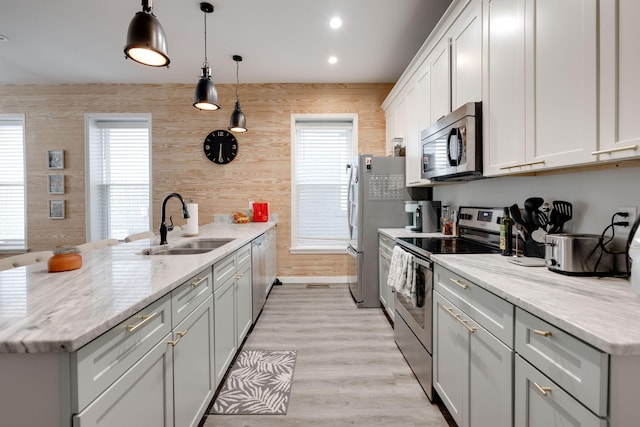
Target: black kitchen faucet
(163,226)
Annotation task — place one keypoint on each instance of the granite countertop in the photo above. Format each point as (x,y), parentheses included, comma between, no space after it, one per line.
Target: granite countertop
(403,232)
(602,312)
(60,312)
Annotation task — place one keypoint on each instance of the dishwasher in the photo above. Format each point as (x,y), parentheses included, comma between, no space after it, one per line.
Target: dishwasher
(258,275)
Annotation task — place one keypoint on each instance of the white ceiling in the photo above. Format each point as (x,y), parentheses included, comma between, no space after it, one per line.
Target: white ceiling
(281,41)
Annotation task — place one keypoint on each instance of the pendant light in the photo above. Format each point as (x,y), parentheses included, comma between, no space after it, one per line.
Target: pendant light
(237,122)
(206,95)
(146,43)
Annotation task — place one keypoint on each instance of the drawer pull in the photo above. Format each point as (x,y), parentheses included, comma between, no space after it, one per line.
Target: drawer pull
(177,340)
(385,256)
(543,390)
(198,281)
(459,283)
(145,319)
(615,150)
(542,333)
(238,276)
(458,317)
(521,165)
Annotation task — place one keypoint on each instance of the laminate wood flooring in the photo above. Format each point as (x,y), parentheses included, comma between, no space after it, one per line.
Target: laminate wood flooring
(349,371)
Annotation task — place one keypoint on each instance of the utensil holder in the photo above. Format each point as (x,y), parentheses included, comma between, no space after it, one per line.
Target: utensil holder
(533,249)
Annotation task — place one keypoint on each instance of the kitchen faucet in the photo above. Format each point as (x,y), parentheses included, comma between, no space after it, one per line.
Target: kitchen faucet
(163,226)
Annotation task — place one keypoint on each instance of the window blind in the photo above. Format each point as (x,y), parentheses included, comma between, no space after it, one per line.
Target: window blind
(322,151)
(12,183)
(119,175)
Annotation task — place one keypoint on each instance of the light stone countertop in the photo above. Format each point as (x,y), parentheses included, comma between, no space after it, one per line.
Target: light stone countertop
(602,312)
(403,232)
(60,312)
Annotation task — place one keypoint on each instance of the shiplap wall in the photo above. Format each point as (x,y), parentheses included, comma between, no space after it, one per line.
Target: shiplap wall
(54,119)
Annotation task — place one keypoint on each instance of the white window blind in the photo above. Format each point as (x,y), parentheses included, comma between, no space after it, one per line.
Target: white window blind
(119,175)
(12,183)
(322,149)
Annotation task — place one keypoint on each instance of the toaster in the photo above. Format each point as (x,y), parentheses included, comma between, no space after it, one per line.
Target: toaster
(577,255)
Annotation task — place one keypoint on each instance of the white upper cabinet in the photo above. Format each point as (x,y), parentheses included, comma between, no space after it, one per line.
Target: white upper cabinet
(466,56)
(440,61)
(549,48)
(619,82)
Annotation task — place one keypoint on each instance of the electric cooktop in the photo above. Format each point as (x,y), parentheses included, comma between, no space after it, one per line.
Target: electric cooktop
(479,230)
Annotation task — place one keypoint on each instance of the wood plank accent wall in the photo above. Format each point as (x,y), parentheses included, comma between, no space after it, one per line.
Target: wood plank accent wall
(55,119)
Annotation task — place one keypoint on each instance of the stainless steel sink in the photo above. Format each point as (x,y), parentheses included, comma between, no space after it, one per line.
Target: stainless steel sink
(204,244)
(192,247)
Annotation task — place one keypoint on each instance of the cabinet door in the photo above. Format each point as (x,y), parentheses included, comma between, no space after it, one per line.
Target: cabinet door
(619,83)
(413,148)
(386,295)
(142,397)
(562,91)
(490,380)
(225,344)
(450,358)
(504,86)
(244,314)
(541,403)
(440,62)
(466,56)
(193,365)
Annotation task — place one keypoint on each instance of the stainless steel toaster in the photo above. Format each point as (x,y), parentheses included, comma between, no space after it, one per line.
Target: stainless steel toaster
(577,254)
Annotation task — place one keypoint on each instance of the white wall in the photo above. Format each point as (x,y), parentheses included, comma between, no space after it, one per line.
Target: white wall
(594,194)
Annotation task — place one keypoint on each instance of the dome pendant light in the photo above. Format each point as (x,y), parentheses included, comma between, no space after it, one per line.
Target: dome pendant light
(206,95)
(237,122)
(146,43)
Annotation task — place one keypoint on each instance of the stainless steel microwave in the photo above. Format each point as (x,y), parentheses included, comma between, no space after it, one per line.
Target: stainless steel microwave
(452,147)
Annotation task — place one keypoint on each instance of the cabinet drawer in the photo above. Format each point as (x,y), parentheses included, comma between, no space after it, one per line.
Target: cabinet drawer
(190,294)
(244,255)
(385,242)
(489,310)
(541,402)
(224,270)
(98,364)
(578,368)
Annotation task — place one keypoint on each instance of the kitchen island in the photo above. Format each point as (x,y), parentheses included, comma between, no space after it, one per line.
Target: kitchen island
(48,319)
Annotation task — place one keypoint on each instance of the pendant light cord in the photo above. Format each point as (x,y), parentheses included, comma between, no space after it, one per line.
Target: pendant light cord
(206,61)
(237,78)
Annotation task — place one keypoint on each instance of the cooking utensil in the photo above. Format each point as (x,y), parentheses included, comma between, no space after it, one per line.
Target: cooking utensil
(514,210)
(564,213)
(538,235)
(531,206)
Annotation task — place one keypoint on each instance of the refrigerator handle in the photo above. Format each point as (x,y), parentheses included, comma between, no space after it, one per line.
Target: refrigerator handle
(350,199)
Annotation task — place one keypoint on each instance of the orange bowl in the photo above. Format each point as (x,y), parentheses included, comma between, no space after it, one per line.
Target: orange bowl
(64,262)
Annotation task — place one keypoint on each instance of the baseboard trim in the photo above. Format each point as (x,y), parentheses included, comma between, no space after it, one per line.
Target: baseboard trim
(315,279)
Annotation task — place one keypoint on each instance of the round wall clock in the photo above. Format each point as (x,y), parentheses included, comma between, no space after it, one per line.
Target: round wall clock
(220,146)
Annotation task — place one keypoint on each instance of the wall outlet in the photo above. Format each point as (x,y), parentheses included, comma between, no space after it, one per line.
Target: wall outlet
(632,211)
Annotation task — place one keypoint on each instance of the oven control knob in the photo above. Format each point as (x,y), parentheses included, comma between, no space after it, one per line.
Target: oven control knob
(551,262)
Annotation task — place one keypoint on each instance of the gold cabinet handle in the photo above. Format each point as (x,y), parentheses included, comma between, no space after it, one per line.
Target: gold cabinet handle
(177,340)
(615,150)
(459,283)
(238,276)
(542,333)
(385,256)
(145,319)
(198,281)
(521,165)
(543,390)
(458,317)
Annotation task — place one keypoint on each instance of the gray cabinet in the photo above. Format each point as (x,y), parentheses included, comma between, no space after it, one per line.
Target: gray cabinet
(387,296)
(233,306)
(559,379)
(472,367)
(271,260)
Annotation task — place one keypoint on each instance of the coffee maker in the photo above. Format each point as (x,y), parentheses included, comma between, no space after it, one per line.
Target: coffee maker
(423,215)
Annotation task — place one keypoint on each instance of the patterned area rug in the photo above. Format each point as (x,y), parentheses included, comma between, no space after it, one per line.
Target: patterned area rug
(259,383)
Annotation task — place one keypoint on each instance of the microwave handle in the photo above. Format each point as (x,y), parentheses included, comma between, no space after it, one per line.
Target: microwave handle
(452,161)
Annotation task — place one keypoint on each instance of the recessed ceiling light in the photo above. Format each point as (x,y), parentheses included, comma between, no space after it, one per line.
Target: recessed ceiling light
(335,22)
(333,60)
(4,38)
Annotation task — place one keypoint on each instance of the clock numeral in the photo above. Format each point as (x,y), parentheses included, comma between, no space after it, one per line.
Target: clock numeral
(207,147)
(221,133)
(234,146)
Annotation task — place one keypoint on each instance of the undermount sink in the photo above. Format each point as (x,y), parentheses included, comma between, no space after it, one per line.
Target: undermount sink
(193,247)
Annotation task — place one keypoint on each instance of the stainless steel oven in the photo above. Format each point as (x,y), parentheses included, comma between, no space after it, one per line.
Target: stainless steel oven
(412,327)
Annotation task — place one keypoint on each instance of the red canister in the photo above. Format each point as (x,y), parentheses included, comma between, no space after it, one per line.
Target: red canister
(260,211)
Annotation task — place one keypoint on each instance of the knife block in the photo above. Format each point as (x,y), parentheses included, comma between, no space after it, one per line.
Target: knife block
(533,248)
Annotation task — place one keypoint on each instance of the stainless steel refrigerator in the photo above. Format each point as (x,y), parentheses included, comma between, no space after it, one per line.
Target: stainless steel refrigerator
(375,199)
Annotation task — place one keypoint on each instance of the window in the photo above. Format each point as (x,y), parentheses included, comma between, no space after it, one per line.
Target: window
(322,147)
(118,175)
(12,184)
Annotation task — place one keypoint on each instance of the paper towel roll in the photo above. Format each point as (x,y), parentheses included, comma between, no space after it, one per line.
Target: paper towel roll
(192,221)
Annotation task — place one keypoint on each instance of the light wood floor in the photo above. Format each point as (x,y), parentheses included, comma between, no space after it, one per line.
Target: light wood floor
(349,371)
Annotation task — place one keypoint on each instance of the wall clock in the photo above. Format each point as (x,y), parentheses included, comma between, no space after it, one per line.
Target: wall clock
(220,146)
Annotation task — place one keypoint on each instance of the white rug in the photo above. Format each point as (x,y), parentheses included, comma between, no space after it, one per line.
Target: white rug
(259,383)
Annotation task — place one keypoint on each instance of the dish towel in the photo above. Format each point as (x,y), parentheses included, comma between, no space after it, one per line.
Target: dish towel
(401,276)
